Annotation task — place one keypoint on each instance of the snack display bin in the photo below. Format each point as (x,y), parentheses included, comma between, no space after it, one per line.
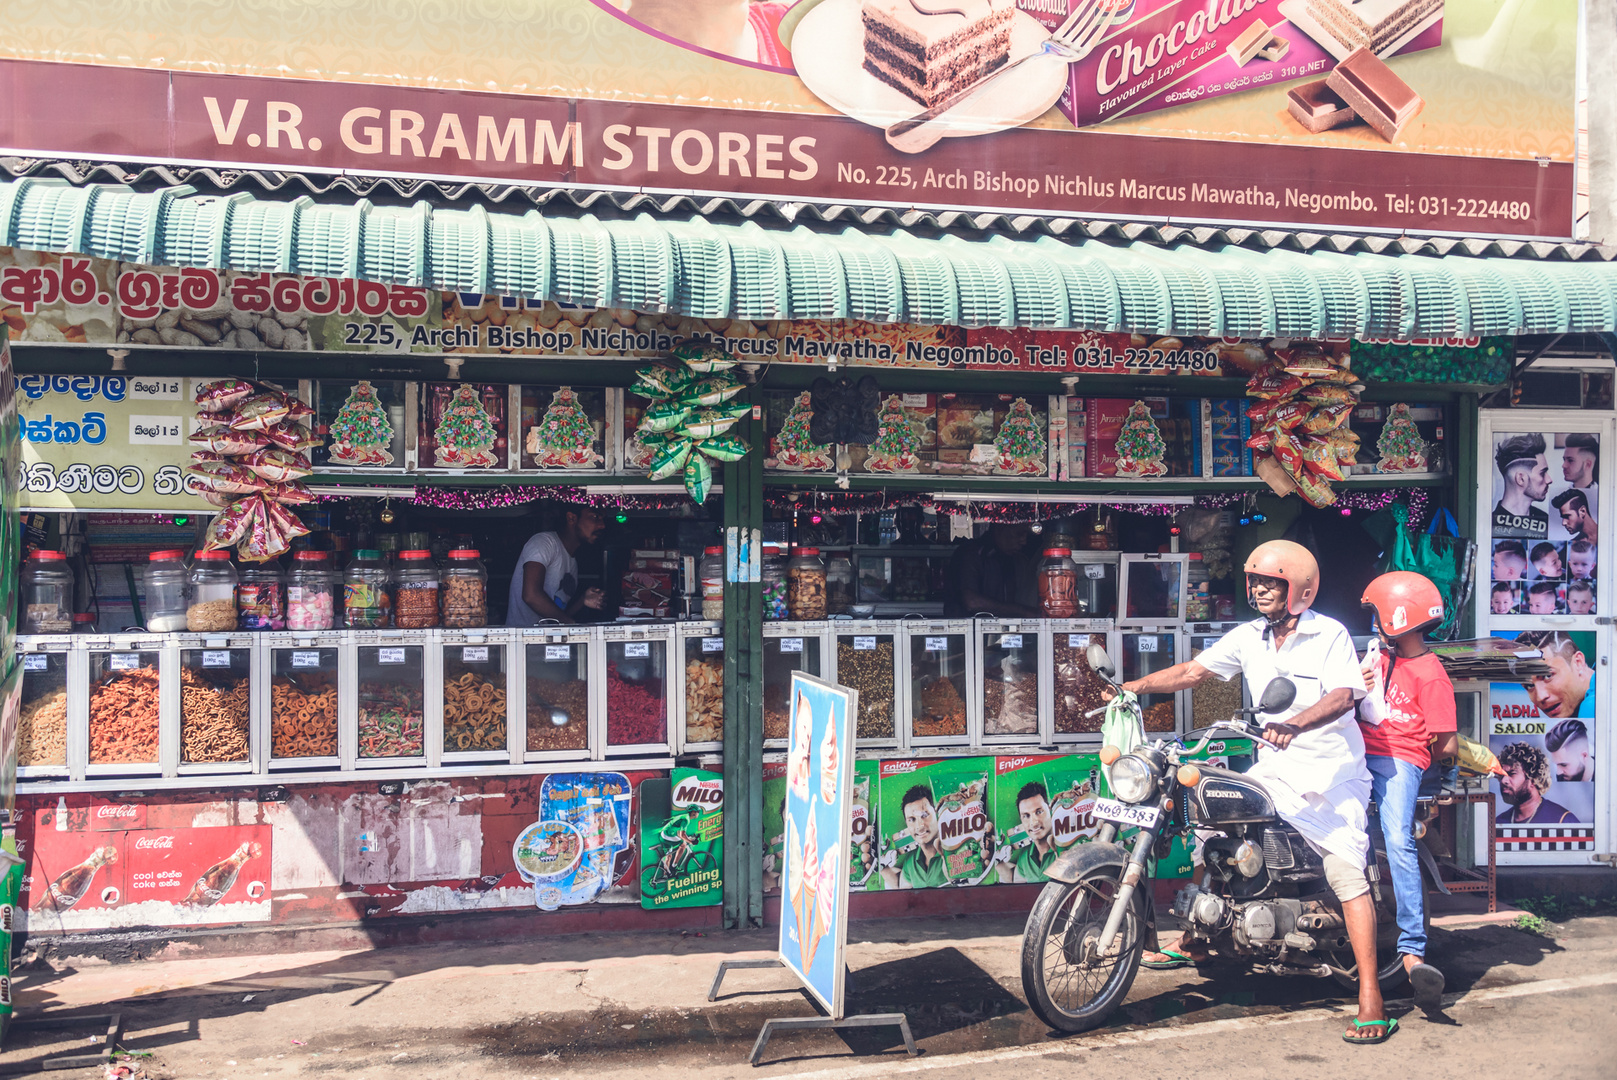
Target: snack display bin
(1097,583)
(480,683)
(132,705)
(637,689)
(556,669)
(218,677)
(307,676)
(937,662)
(394,673)
(1074,686)
(1013,670)
(53,687)
(1214,700)
(1152,590)
(699,698)
(1142,650)
(866,658)
(789,647)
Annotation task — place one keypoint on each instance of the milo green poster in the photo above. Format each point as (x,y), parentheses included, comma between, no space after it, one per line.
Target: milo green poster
(1042,806)
(862,844)
(934,824)
(681,857)
(774,824)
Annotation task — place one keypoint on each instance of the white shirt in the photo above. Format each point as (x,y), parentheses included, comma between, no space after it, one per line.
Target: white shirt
(561,577)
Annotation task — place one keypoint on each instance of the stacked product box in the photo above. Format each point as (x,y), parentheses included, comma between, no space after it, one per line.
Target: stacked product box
(650,583)
(1175,448)
(1225,430)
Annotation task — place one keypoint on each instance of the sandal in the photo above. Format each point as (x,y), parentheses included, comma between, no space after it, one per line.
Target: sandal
(1175,961)
(1391,1024)
(1427,983)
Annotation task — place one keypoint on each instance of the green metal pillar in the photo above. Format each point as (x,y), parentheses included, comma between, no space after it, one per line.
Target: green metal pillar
(743,680)
(1463,467)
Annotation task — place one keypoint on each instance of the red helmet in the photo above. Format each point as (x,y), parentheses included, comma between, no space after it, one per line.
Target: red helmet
(1404,602)
(1292,563)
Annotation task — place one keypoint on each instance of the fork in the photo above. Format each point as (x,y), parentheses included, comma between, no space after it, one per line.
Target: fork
(1072,41)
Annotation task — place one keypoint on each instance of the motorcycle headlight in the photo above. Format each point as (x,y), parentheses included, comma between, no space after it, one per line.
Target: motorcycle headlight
(1133,779)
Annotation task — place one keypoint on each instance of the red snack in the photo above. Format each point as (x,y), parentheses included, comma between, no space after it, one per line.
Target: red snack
(290,436)
(292,494)
(1273,384)
(1288,414)
(285,521)
(230,443)
(226,477)
(218,396)
(634,714)
(1286,451)
(229,527)
(207,421)
(263,540)
(1327,418)
(216,498)
(279,466)
(258,413)
(1319,457)
(1260,440)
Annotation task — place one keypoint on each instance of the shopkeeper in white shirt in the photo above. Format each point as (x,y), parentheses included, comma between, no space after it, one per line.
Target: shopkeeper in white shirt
(544,585)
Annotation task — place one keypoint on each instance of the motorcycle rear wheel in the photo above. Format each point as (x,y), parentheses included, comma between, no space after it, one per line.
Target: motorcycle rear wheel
(1389,961)
(1067,986)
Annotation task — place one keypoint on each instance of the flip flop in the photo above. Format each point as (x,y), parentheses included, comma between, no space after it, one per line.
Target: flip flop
(1175,961)
(1427,983)
(1391,1024)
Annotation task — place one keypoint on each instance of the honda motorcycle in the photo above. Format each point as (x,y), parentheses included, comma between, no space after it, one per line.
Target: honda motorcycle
(1264,904)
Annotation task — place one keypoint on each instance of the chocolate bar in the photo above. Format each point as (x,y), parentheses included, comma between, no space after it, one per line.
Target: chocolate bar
(1249,41)
(1375,92)
(1318,108)
(1277,48)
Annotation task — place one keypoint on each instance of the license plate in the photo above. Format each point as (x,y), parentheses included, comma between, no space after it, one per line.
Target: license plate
(1144,817)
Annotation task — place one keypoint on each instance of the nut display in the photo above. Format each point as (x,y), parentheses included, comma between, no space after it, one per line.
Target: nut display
(942,710)
(805,592)
(1159,717)
(465,601)
(704,700)
(1214,700)
(870,671)
(211,615)
(215,718)
(1011,704)
(415,605)
(775,709)
(390,722)
(303,716)
(572,697)
(42,730)
(474,713)
(123,716)
(1078,688)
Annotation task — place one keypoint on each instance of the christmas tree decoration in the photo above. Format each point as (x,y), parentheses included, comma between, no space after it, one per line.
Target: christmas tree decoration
(897,447)
(1140,445)
(360,432)
(795,448)
(1020,446)
(466,434)
(1400,444)
(564,437)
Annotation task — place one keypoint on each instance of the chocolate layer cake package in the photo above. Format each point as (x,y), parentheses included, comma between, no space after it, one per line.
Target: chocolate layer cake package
(993,434)
(931,50)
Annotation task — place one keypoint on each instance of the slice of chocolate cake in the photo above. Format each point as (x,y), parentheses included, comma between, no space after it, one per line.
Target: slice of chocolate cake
(931,49)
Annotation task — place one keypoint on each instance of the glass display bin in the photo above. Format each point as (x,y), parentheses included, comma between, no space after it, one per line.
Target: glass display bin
(638,689)
(1153,589)
(216,702)
(1012,676)
(700,720)
(1097,583)
(1075,688)
(1214,700)
(473,710)
(133,695)
(1142,650)
(391,694)
(938,675)
(302,692)
(52,683)
(789,647)
(866,659)
(559,710)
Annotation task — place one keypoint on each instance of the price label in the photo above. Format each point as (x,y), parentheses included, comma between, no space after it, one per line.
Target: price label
(864,644)
(1094,571)
(558,652)
(791,644)
(1010,641)
(474,654)
(390,656)
(712,644)
(306,659)
(34,661)
(1077,641)
(1148,644)
(216,658)
(123,661)
(914,401)
(937,644)
(633,650)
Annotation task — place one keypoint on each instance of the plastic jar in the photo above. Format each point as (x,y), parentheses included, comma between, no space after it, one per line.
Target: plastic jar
(839,585)
(84,623)
(465,592)
(1058,584)
(711,572)
(212,605)
(165,579)
(415,591)
(1198,600)
(261,598)
(774,580)
(805,585)
(47,594)
(311,592)
(367,602)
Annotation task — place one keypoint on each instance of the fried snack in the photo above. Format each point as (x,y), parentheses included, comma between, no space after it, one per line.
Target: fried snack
(123,718)
(215,718)
(303,718)
(943,710)
(704,700)
(474,714)
(42,731)
(573,698)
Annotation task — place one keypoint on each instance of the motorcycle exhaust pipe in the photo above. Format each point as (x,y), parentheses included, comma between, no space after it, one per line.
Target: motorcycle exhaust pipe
(1321,921)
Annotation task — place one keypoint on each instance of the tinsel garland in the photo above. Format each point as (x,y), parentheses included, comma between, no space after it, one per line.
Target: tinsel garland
(499,497)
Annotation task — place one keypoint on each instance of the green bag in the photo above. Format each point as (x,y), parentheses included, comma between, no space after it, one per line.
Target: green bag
(1446,560)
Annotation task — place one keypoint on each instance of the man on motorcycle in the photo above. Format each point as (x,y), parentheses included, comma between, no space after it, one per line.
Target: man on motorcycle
(1316,776)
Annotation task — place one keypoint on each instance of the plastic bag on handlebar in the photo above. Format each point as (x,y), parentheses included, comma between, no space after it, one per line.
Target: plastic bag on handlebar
(1121,727)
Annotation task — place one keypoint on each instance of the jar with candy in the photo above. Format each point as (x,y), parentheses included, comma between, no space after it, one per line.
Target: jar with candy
(465,591)
(213,593)
(367,600)
(415,592)
(165,580)
(47,594)
(1058,584)
(774,580)
(261,598)
(805,585)
(711,571)
(311,592)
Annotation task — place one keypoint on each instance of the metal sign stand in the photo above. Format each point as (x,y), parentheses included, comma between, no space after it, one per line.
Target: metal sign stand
(806,1023)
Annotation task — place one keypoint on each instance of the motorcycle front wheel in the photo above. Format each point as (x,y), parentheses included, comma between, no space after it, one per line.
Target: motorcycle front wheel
(1069,983)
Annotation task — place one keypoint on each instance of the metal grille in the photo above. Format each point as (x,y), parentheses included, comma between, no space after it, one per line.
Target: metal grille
(1277,853)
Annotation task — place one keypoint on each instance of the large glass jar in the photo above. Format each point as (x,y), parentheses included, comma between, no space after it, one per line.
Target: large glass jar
(213,593)
(261,598)
(367,602)
(805,585)
(311,592)
(839,585)
(47,594)
(711,572)
(774,578)
(465,592)
(415,591)
(1198,600)
(165,580)
(1058,584)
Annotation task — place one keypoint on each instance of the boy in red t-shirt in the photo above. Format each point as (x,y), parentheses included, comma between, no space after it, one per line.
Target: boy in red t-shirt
(1419,722)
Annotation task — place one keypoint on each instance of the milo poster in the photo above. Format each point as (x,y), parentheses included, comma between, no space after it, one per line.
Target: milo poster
(682,857)
(1042,806)
(862,844)
(934,823)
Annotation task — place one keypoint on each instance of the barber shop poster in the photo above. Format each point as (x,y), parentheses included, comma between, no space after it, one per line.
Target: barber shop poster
(1543,733)
(1545,523)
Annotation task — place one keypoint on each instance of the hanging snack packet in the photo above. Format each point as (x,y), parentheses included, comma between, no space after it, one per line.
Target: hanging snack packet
(706,359)
(1325,418)
(661,380)
(229,527)
(698,478)
(285,521)
(258,413)
(230,443)
(1307,363)
(706,423)
(214,498)
(1261,440)
(724,448)
(296,409)
(214,421)
(670,458)
(1288,415)
(1275,383)
(1346,445)
(226,477)
(213,397)
(1328,393)
(1314,490)
(290,436)
(1286,451)
(1319,457)
(279,466)
(665,416)
(263,540)
(712,390)
(292,494)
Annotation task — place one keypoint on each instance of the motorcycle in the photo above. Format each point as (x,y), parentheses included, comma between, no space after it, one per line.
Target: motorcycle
(1265,903)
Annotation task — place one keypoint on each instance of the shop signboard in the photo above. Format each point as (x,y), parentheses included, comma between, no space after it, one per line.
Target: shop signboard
(1246,111)
(1543,734)
(682,855)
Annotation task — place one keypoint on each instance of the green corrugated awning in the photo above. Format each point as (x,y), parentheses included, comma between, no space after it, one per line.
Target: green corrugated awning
(711,270)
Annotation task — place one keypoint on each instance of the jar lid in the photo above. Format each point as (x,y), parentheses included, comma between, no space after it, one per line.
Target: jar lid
(164,556)
(464,553)
(367,553)
(415,553)
(713,551)
(1196,555)
(83,617)
(48,556)
(1057,553)
(808,551)
(307,556)
(213,556)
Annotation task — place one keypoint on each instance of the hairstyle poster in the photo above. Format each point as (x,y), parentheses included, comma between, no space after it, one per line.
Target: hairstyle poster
(1545,525)
(1546,747)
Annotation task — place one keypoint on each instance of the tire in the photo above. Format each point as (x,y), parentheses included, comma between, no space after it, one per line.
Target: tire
(1067,993)
(1389,963)
(699,861)
(652,883)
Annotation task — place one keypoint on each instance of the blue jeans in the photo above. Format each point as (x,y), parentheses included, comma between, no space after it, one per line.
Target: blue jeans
(1394,785)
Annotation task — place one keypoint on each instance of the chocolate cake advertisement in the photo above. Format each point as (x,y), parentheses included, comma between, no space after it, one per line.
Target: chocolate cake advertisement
(1305,113)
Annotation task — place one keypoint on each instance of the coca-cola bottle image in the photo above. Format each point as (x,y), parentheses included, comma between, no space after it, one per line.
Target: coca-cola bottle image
(70,887)
(218,878)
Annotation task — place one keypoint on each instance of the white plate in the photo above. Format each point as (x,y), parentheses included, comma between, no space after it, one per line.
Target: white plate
(1144,817)
(828,48)
(1296,11)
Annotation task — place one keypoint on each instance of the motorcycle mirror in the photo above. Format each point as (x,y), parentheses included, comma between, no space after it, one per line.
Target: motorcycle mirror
(1278,695)
(1099,662)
